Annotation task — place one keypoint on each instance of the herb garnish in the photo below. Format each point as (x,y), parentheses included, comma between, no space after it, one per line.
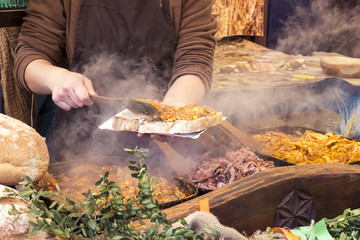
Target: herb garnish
(104,215)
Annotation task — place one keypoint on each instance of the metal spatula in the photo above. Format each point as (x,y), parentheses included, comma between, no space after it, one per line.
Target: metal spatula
(139,106)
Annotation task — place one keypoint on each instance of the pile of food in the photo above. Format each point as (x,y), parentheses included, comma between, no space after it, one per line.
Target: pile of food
(82,177)
(172,120)
(310,147)
(188,112)
(213,173)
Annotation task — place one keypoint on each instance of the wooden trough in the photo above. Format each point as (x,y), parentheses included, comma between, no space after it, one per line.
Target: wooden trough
(288,196)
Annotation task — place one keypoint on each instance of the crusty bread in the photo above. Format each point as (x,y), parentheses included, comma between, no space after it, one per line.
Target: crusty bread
(16,227)
(341,66)
(128,121)
(23,152)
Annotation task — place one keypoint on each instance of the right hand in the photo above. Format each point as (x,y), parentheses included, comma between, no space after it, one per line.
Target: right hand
(72,90)
(68,89)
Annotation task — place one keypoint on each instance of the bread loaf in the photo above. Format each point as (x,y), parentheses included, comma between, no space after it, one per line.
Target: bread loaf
(128,121)
(13,227)
(341,66)
(23,152)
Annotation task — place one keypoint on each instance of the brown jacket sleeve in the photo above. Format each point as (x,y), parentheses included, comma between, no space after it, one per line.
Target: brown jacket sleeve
(195,28)
(48,33)
(42,36)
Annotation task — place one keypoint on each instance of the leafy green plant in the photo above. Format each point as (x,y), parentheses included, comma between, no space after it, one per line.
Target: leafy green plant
(345,226)
(105,214)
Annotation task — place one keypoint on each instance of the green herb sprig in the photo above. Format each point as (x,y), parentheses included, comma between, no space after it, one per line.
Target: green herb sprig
(345,226)
(104,215)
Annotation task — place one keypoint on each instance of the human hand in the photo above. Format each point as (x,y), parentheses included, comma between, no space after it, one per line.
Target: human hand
(71,90)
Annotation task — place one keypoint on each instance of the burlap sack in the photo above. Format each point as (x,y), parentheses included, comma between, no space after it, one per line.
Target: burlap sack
(199,220)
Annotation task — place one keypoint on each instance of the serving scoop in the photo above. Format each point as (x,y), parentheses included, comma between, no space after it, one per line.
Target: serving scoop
(139,106)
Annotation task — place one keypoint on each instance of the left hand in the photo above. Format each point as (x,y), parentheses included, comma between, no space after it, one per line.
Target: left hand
(186,89)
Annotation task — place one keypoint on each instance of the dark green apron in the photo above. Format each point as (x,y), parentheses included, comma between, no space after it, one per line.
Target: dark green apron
(118,41)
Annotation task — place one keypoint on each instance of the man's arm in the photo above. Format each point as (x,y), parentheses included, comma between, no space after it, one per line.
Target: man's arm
(186,89)
(193,59)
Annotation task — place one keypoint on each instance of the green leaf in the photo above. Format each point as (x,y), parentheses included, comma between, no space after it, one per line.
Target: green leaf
(57,215)
(208,230)
(60,207)
(50,214)
(45,228)
(133,168)
(84,233)
(150,206)
(28,179)
(67,233)
(150,231)
(92,224)
(52,205)
(28,193)
(24,183)
(116,238)
(75,215)
(109,215)
(98,182)
(114,189)
(34,230)
(34,224)
(58,188)
(168,233)
(77,206)
(145,202)
(57,232)
(134,175)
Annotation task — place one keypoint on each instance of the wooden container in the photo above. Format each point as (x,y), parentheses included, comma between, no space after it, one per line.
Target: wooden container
(287,195)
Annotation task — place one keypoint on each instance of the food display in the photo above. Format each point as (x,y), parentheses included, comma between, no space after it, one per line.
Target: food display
(310,147)
(212,173)
(23,152)
(188,119)
(83,177)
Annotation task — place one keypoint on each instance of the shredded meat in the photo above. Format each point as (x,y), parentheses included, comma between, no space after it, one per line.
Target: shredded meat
(212,173)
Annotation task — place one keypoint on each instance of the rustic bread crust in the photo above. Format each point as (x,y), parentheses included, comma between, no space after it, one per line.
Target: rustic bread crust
(23,152)
(142,124)
(341,66)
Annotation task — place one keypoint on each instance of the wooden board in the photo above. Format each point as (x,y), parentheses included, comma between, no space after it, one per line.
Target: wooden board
(250,204)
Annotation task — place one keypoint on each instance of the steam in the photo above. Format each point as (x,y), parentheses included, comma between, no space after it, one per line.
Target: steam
(245,107)
(117,77)
(321,27)
(112,77)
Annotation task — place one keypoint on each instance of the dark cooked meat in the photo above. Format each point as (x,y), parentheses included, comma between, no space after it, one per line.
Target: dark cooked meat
(211,173)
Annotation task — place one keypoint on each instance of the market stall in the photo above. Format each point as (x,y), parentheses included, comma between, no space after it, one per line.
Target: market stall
(274,144)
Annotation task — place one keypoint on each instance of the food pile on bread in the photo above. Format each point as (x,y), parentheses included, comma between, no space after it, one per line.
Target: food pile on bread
(23,152)
(173,120)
